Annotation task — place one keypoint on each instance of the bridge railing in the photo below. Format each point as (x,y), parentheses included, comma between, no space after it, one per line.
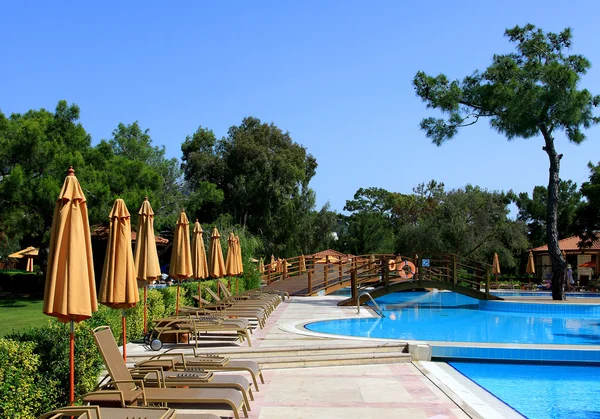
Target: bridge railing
(330,273)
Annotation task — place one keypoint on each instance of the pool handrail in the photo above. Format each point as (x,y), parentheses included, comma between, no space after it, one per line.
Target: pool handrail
(380,313)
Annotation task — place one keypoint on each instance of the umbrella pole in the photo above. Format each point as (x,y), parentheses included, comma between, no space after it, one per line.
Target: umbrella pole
(236,285)
(72,365)
(177,301)
(145,309)
(124,325)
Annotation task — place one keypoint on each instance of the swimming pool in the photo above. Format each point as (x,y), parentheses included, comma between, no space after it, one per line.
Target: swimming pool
(540,391)
(459,328)
(544,294)
(450,317)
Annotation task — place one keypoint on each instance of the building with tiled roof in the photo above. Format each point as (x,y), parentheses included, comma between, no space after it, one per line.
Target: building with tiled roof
(329,256)
(100,232)
(584,260)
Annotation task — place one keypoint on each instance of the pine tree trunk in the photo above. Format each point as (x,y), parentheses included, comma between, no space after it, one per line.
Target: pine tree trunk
(556,258)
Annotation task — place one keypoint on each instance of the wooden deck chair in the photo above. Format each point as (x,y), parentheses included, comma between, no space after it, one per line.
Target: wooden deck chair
(157,377)
(276,296)
(265,309)
(198,314)
(268,303)
(196,327)
(130,392)
(177,361)
(96,412)
(224,308)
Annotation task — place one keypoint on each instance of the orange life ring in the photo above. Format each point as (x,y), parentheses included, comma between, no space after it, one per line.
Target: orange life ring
(392,264)
(405,272)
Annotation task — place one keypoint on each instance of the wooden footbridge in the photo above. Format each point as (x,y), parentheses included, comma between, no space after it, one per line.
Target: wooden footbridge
(325,273)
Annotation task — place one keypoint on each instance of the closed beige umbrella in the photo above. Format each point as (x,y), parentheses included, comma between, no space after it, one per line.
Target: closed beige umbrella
(238,247)
(530,264)
(231,265)
(216,265)
(147,267)
(29,267)
(273,265)
(302,264)
(199,263)
(118,286)
(496,266)
(181,254)
(70,291)
(261,266)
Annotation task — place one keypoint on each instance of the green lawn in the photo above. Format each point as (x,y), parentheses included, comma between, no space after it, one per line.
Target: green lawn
(20,314)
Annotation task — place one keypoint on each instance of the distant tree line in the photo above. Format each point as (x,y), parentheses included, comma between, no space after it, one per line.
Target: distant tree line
(257,179)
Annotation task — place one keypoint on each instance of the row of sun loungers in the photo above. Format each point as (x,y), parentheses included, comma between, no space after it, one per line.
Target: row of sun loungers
(232,315)
(176,379)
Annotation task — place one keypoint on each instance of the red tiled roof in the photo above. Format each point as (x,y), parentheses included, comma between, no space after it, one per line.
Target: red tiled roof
(570,244)
(100,232)
(329,252)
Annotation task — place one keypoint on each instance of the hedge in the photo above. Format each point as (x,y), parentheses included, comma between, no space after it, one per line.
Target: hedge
(34,364)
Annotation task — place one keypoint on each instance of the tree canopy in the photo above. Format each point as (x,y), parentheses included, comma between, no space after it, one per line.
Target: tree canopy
(37,148)
(259,176)
(530,92)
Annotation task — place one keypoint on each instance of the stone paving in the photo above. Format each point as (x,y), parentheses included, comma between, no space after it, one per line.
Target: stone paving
(406,390)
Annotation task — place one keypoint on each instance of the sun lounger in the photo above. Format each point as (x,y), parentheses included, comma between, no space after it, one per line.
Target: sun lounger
(95,412)
(128,391)
(273,298)
(224,308)
(179,362)
(266,304)
(240,305)
(157,377)
(193,328)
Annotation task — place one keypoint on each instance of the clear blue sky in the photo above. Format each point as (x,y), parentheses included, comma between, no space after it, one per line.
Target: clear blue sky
(335,74)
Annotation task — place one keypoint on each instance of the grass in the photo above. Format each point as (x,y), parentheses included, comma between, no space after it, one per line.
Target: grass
(20,314)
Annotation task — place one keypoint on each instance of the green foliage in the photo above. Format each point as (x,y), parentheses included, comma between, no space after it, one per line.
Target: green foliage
(24,392)
(37,148)
(13,272)
(156,306)
(530,92)
(533,211)
(169,297)
(258,176)
(588,214)
(51,345)
(522,93)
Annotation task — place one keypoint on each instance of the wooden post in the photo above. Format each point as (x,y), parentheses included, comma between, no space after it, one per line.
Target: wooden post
(325,269)
(285,269)
(341,270)
(269,277)
(354,285)
(385,272)
(454,271)
(309,282)
(487,283)
(416,260)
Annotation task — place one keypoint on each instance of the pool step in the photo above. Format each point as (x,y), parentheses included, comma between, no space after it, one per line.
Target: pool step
(323,355)
(315,355)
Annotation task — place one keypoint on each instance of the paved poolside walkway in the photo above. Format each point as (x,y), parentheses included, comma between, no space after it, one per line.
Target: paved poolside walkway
(406,390)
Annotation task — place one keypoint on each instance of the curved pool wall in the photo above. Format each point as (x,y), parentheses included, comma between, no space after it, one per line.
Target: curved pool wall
(460,327)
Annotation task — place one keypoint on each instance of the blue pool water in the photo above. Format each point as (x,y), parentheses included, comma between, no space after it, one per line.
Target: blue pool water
(540,391)
(537,391)
(450,317)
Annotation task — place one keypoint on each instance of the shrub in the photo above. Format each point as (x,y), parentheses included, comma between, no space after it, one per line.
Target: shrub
(156,306)
(169,295)
(51,345)
(24,391)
